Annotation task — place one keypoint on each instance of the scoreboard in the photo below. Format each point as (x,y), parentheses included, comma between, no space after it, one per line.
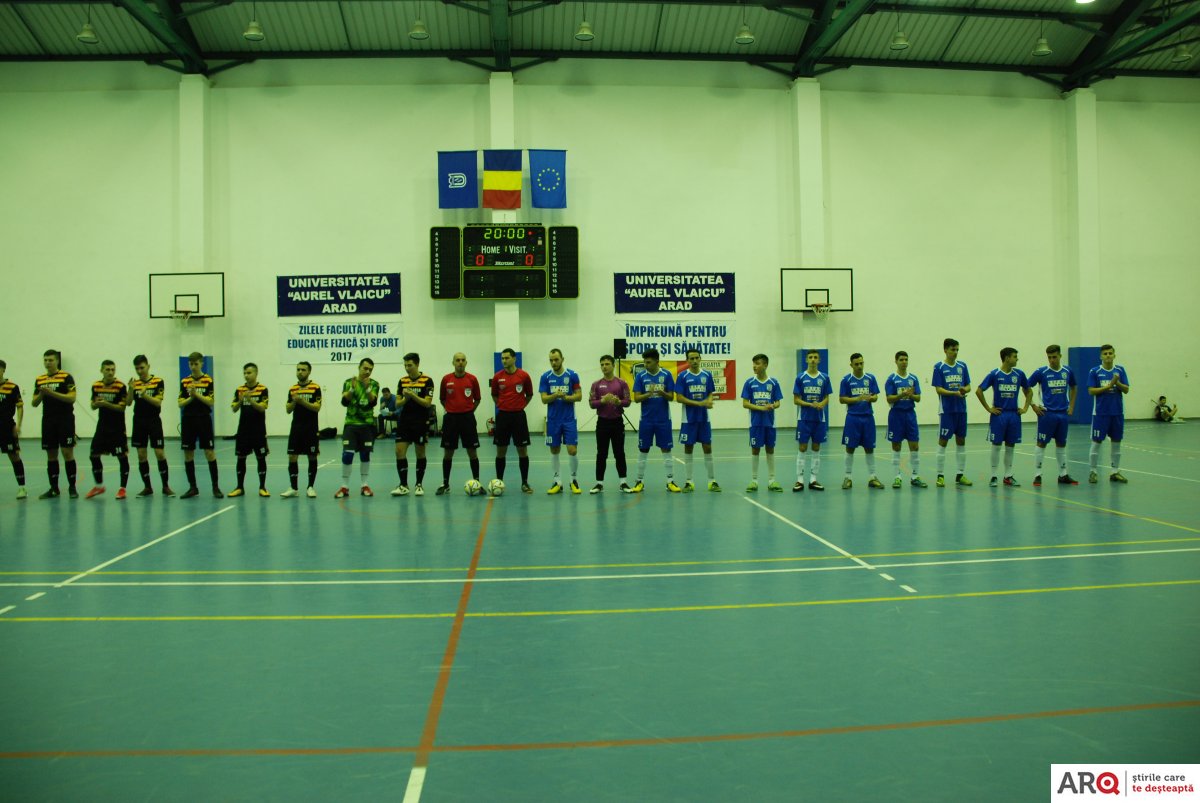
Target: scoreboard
(504,261)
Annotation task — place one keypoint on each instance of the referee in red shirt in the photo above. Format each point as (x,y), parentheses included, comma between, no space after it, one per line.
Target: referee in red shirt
(460,396)
(512,389)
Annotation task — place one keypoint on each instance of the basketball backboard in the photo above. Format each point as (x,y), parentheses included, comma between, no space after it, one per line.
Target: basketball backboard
(202,295)
(800,288)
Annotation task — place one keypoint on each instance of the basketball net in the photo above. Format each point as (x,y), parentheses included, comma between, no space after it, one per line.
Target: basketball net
(814,326)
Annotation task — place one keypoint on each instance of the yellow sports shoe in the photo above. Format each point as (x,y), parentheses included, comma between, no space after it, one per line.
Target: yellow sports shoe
(554,489)
(673,488)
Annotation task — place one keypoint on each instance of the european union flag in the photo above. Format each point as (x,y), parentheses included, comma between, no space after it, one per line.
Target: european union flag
(548,179)
(458,180)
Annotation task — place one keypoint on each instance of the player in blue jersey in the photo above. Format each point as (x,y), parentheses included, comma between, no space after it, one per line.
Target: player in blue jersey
(903,391)
(858,391)
(1107,383)
(952,382)
(1057,385)
(696,390)
(811,393)
(762,395)
(1007,383)
(654,388)
(560,391)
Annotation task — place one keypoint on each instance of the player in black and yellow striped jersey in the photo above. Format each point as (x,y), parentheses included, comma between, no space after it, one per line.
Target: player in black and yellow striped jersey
(414,394)
(196,424)
(109,397)
(146,394)
(304,404)
(12,415)
(250,402)
(55,390)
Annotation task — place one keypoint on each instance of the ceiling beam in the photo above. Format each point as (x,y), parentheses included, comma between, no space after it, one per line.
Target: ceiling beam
(1117,25)
(501,37)
(830,35)
(162,30)
(1083,71)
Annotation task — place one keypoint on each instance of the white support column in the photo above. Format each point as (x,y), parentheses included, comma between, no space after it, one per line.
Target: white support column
(810,242)
(1083,232)
(502,116)
(193,222)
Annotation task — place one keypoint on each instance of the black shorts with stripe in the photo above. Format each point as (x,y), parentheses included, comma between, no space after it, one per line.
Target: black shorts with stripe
(109,441)
(58,432)
(458,427)
(8,443)
(196,430)
(412,430)
(147,432)
(357,437)
(511,425)
(304,441)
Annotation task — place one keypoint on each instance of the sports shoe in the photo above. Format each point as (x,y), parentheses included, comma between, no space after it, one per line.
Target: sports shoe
(167,491)
(774,485)
(625,489)
(366,491)
(217,493)
(1093,477)
(575,489)
(636,488)
(964,480)
(525,488)
(797,487)
(96,491)
(290,493)
(21,492)
(712,486)
(1117,476)
(311,493)
(815,486)
(993,482)
(673,488)
(400,490)
(442,490)
(753,486)
(874,483)
(190,493)
(847,484)
(1037,481)
(418,490)
(1011,482)
(145,492)
(554,489)
(72,492)
(51,493)
(917,482)
(688,487)
(1067,479)
(342,493)
(597,488)
(121,493)
(896,483)
(941,481)
(264,493)
(236,492)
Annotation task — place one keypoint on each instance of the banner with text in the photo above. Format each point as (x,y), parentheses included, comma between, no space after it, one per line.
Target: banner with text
(328,342)
(673,292)
(338,294)
(714,339)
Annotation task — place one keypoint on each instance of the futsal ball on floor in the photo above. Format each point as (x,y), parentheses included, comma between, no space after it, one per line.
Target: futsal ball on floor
(473,488)
(496,487)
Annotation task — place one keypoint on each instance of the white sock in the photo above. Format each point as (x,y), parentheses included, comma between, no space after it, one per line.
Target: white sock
(573,459)
(710,467)
(800,465)
(871,464)
(364,468)
(346,469)
(688,459)
(1039,454)
(771,466)
(669,466)
(896,462)
(849,463)
(1094,456)
(941,459)
(1062,460)
(960,457)
(754,467)
(1116,456)
(555,465)
(915,458)
(642,457)
(995,459)
(1009,451)
(814,466)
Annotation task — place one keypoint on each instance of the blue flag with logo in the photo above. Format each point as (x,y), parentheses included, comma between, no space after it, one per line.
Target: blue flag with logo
(548,179)
(458,180)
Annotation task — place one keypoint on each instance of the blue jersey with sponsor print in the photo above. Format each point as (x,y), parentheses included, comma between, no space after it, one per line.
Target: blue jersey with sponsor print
(655,410)
(1006,388)
(762,392)
(1112,402)
(564,384)
(896,383)
(859,386)
(696,387)
(813,389)
(951,377)
(1055,387)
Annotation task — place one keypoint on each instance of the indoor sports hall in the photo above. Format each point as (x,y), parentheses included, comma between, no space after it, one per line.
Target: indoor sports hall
(423,185)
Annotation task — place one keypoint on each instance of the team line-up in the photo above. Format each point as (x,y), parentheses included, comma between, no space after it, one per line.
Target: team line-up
(511,389)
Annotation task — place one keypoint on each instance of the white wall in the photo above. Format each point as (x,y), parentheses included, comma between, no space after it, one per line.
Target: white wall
(945,192)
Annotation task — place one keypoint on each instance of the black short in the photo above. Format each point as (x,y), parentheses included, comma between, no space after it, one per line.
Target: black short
(195,430)
(511,425)
(247,443)
(58,432)
(8,443)
(108,441)
(356,437)
(147,432)
(411,431)
(304,441)
(458,427)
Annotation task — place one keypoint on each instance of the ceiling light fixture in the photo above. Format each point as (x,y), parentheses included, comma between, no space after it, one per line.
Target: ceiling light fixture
(87,34)
(419,31)
(899,39)
(1042,48)
(584,32)
(254,31)
(744,35)
(1181,54)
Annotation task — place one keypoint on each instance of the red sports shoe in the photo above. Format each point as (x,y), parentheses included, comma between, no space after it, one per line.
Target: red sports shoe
(366,491)
(120,493)
(99,489)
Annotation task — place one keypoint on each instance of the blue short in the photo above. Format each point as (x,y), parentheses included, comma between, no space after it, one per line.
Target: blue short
(1108,426)
(902,426)
(691,434)
(762,436)
(1052,425)
(815,431)
(1005,428)
(562,432)
(952,425)
(654,433)
(859,431)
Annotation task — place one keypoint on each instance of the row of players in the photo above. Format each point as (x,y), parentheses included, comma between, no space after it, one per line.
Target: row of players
(560,389)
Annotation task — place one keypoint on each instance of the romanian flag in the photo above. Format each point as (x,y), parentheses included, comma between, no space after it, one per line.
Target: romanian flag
(501,179)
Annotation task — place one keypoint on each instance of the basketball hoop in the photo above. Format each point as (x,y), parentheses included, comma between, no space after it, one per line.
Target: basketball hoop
(821,311)
(181,317)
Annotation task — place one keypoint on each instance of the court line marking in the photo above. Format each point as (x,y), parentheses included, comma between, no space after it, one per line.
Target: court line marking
(6,610)
(416,778)
(658,564)
(345,617)
(909,589)
(811,534)
(589,577)
(652,741)
(1102,469)
(35,596)
(1116,512)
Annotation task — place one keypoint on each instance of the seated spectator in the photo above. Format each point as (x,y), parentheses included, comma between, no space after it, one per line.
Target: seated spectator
(1167,412)
(386,420)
